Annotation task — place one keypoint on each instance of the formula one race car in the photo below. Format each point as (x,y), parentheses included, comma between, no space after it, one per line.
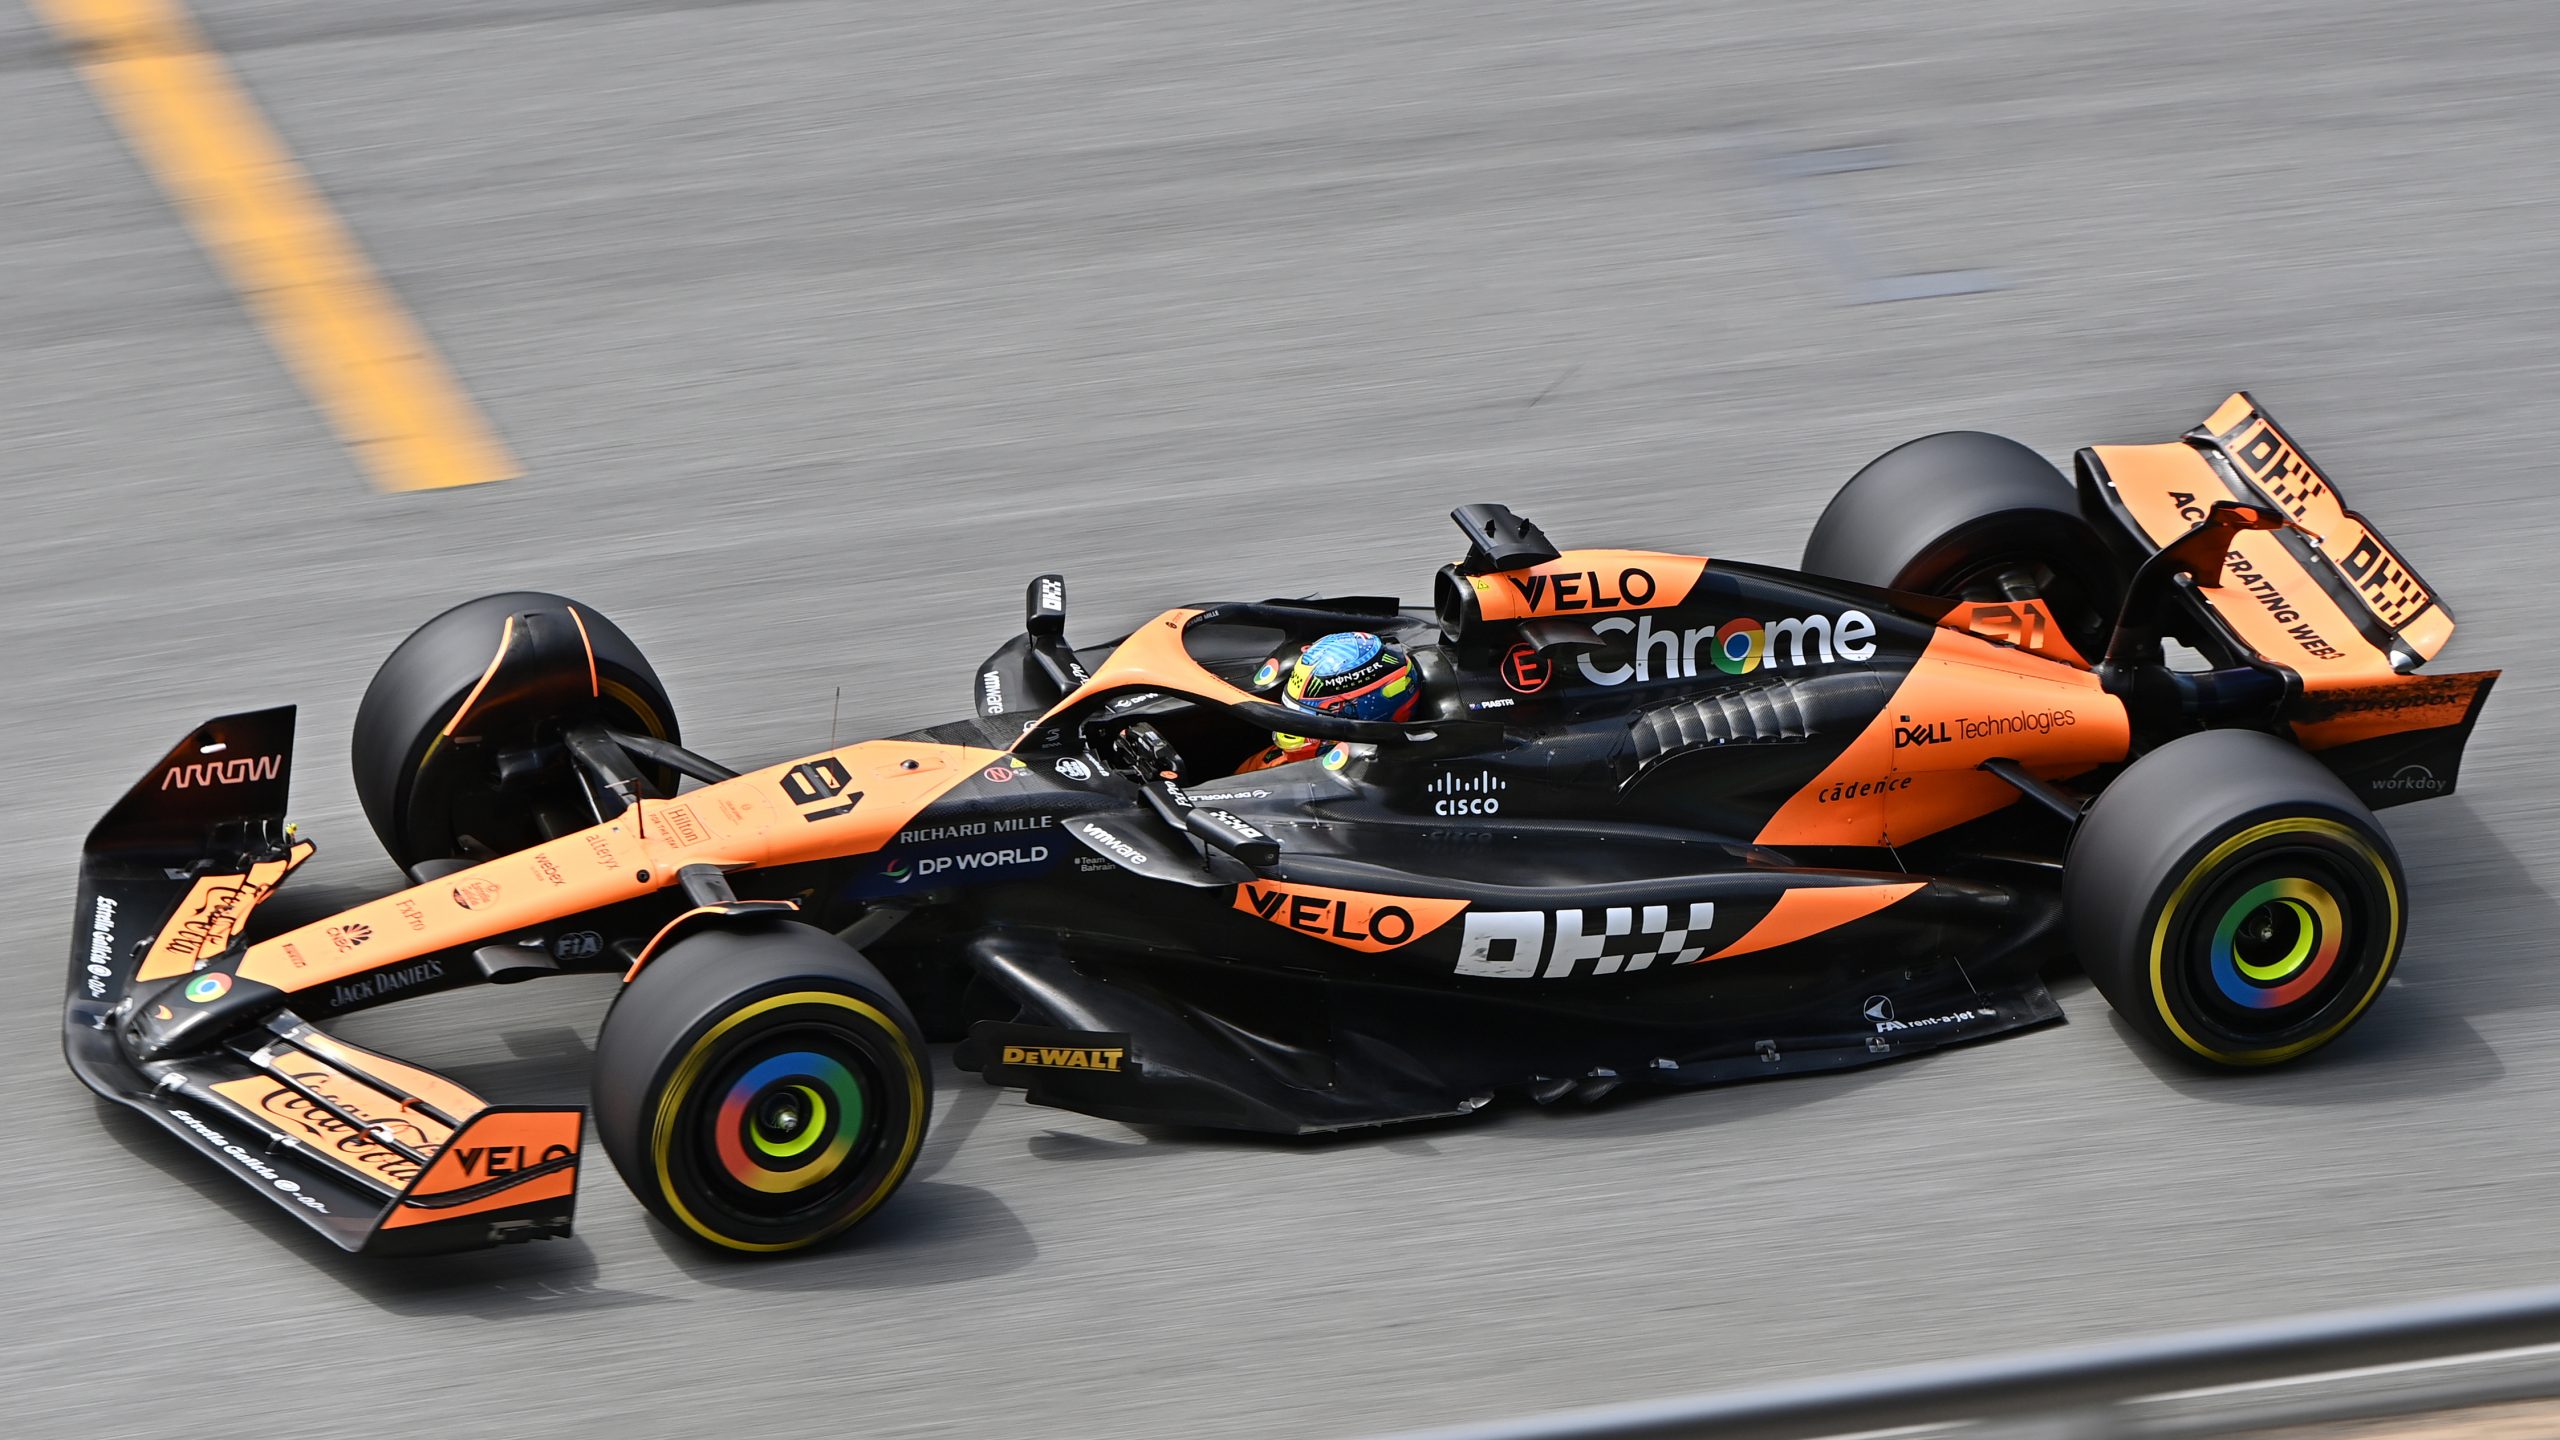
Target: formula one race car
(1660,821)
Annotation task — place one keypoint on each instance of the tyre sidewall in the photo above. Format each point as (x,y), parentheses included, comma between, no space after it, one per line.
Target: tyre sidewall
(680,1026)
(2159,863)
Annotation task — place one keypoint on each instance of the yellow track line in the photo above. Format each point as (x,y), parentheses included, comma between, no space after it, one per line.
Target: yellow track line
(358,354)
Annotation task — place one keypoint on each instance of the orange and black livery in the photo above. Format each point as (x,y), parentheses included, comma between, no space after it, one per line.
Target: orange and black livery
(1660,820)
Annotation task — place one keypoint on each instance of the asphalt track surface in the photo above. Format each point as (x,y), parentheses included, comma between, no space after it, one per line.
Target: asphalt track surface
(820,326)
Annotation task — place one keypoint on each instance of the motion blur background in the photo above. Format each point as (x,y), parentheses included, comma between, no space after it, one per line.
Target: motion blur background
(817,326)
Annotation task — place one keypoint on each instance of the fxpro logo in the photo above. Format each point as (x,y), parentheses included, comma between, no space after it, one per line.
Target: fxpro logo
(1737,647)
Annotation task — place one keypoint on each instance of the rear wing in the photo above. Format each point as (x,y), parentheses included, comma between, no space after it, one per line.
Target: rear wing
(375,1154)
(2329,602)
(2332,599)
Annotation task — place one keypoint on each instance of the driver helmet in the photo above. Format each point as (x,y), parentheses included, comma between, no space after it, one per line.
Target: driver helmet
(1351,673)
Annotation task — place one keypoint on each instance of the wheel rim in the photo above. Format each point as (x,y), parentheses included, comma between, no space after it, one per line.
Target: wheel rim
(792,1120)
(2276,941)
(788,1121)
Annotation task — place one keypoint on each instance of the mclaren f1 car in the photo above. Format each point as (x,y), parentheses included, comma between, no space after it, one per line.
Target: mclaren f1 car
(1659,821)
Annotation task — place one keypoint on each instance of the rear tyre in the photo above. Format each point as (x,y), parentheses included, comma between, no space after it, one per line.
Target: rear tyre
(2233,900)
(1971,516)
(761,1089)
(457,742)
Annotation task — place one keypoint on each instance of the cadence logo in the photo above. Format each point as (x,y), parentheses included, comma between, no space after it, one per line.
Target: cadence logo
(1737,647)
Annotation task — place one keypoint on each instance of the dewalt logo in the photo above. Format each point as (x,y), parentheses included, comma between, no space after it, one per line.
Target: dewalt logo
(1066,1057)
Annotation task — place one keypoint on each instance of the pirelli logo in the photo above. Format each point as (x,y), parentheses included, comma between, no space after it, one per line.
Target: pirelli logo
(1065,1057)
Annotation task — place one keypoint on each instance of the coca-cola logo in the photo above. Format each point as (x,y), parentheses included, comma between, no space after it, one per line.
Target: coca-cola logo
(361,1147)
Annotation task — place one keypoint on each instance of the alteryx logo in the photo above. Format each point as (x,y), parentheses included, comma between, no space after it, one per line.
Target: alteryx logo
(1737,647)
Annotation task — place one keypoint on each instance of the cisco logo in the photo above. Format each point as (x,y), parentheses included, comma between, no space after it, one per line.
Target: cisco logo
(1474,795)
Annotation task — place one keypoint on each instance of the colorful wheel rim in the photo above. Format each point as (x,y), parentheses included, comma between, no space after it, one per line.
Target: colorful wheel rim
(2386,919)
(2277,942)
(789,1122)
(903,1131)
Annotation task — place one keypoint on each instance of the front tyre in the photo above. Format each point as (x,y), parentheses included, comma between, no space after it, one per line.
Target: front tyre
(761,1089)
(2234,901)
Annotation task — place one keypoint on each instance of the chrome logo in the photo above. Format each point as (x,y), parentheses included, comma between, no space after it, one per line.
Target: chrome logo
(1336,757)
(1739,646)
(1269,672)
(209,986)
(789,1123)
(2294,933)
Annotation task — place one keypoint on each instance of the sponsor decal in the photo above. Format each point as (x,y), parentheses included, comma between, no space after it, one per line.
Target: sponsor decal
(602,849)
(991,692)
(1335,757)
(1542,944)
(550,872)
(815,785)
(1113,843)
(1477,794)
(293,953)
(971,829)
(208,987)
(366,1146)
(411,915)
(211,918)
(247,1161)
(382,984)
(1878,1007)
(163,1012)
(1353,919)
(2416,778)
(1907,733)
(1073,769)
(350,935)
(472,894)
(1525,670)
(2252,582)
(1007,859)
(1860,789)
(1503,702)
(900,871)
(1885,1024)
(1224,797)
(1268,673)
(1586,590)
(203,774)
(682,825)
(1737,647)
(578,945)
(102,946)
(998,773)
(1132,702)
(1093,864)
(1106,1058)
(488,1162)
(2386,581)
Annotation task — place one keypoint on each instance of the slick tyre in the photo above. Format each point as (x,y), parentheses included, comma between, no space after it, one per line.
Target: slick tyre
(1971,516)
(2233,900)
(761,1089)
(457,742)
